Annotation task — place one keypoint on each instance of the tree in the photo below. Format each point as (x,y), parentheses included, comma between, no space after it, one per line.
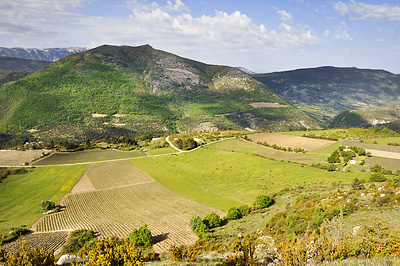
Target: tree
(141,236)
(47,205)
(233,214)
(212,220)
(263,201)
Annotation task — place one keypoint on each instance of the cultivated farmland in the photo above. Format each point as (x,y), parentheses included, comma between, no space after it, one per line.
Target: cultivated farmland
(87,157)
(17,158)
(286,141)
(116,197)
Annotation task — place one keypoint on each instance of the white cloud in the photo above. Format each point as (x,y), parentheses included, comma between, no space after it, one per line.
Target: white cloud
(169,27)
(362,11)
(285,16)
(342,34)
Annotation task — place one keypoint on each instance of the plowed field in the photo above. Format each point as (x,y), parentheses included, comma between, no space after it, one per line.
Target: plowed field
(287,141)
(116,197)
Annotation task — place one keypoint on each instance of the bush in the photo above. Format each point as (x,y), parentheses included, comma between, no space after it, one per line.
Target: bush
(376,168)
(212,220)
(377,177)
(263,201)
(233,214)
(47,205)
(396,181)
(195,223)
(77,240)
(141,236)
(244,209)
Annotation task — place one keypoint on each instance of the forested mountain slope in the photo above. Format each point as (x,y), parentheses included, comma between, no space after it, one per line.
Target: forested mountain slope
(114,90)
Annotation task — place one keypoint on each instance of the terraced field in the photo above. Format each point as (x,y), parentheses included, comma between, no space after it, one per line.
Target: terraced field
(114,198)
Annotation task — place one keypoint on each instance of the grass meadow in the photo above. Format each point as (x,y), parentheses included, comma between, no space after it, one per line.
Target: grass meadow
(20,195)
(231,173)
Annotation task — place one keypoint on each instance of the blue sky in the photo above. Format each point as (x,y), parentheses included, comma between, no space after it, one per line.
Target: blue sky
(263,36)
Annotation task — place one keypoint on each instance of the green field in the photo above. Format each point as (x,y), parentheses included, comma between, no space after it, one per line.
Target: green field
(22,194)
(384,141)
(88,156)
(231,173)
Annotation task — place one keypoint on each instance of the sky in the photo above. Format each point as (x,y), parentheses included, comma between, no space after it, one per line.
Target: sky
(262,36)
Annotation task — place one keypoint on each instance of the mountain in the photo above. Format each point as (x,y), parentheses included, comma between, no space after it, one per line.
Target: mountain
(324,92)
(50,54)
(385,117)
(139,90)
(247,71)
(12,69)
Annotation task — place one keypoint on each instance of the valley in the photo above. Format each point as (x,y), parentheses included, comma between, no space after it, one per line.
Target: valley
(119,139)
(116,194)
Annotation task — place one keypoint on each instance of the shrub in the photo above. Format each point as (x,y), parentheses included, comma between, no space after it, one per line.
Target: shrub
(396,181)
(376,168)
(233,214)
(377,177)
(47,205)
(212,220)
(141,236)
(77,240)
(263,201)
(244,209)
(195,223)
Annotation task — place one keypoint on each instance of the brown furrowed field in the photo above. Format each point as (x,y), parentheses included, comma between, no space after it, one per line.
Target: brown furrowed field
(287,141)
(46,241)
(17,158)
(114,198)
(87,157)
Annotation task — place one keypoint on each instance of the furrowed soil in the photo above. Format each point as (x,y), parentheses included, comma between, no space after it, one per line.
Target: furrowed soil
(114,198)
(89,156)
(285,140)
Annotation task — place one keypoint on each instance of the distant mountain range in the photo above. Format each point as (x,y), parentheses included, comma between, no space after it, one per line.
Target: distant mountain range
(116,90)
(12,69)
(50,54)
(326,91)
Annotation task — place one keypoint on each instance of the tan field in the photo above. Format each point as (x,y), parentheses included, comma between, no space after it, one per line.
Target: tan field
(287,141)
(17,158)
(116,197)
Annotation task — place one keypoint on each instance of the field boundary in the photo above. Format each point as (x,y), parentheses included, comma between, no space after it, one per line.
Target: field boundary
(123,159)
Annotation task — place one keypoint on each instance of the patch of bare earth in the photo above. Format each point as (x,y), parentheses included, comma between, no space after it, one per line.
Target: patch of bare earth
(287,141)
(17,158)
(116,197)
(265,104)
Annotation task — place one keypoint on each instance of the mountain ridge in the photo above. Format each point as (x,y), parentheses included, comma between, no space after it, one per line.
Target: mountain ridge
(324,92)
(47,54)
(140,90)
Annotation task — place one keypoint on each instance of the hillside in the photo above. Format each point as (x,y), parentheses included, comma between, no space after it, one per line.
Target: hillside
(50,54)
(12,69)
(326,91)
(368,118)
(139,90)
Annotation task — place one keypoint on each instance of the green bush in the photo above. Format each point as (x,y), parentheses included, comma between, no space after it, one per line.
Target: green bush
(77,240)
(377,177)
(212,220)
(47,205)
(195,223)
(376,168)
(263,201)
(396,181)
(141,236)
(233,214)
(244,209)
